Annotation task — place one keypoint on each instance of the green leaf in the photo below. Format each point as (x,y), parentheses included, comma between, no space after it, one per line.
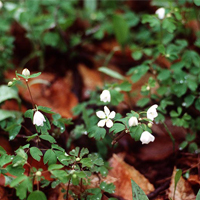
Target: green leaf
(35,153)
(169,25)
(125,86)
(61,175)
(35,75)
(143,102)
(23,187)
(13,130)
(136,132)
(37,195)
(111,73)
(177,177)
(110,188)
(138,72)
(75,152)
(4,114)
(179,89)
(8,93)
(96,132)
(183,145)
(197,2)
(83,152)
(45,109)
(137,55)
(55,166)
(121,29)
(188,100)
(137,192)
(198,195)
(86,162)
(164,74)
(192,84)
(96,159)
(29,138)
(192,147)
(197,104)
(29,114)
(117,127)
(17,180)
(16,171)
(49,157)
(48,138)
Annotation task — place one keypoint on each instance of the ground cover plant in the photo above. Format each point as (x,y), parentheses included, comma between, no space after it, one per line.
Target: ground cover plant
(99,100)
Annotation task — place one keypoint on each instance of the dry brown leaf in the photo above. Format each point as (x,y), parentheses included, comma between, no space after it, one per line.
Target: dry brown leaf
(194,179)
(124,173)
(91,79)
(183,189)
(3,195)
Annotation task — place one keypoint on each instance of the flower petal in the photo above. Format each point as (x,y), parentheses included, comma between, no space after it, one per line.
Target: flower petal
(106,110)
(109,123)
(101,114)
(101,123)
(112,115)
(146,137)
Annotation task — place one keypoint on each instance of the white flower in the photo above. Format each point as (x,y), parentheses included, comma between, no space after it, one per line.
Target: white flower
(152,112)
(105,96)
(146,137)
(161,13)
(38,119)
(26,72)
(105,116)
(133,121)
(1,4)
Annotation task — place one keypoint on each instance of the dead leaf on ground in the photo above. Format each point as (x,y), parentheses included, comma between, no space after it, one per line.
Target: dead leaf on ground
(183,189)
(194,179)
(124,173)
(3,195)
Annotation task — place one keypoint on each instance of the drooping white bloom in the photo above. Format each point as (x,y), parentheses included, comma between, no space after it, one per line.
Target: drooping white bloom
(160,13)
(26,72)
(133,121)
(38,118)
(152,112)
(146,137)
(1,4)
(106,117)
(105,96)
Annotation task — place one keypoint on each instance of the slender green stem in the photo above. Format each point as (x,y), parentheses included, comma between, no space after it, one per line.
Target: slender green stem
(170,135)
(30,93)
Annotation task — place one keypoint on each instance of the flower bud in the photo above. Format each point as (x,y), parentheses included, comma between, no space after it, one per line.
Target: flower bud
(10,83)
(26,72)
(38,173)
(38,119)
(149,125)
(105,96)
(133,121)
(78,159)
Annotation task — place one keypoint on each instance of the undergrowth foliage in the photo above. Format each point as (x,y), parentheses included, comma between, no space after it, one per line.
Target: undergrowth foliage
(172,90)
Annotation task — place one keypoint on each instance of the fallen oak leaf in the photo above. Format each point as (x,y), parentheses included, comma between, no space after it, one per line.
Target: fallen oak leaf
(124,173)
